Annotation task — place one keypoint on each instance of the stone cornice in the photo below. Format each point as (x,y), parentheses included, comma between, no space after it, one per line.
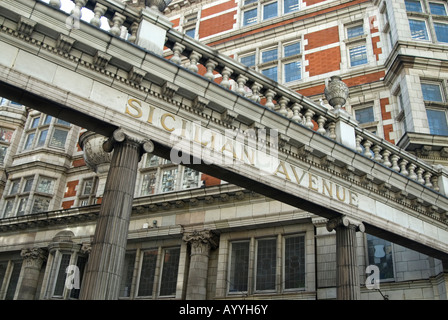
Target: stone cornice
(180,200)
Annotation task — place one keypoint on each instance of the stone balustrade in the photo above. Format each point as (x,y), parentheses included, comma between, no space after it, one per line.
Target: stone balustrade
(125,19)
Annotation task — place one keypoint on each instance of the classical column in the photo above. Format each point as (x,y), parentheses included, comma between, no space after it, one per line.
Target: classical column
(347,270)
(32,263)
(201,242)
(105,264)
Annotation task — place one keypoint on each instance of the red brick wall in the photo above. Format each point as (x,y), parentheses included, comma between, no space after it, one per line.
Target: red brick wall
(71,189)
(209,180)
(311,2)
(376,51)
(323,61)
(68,204)
(218,8)
(322,38)
(79,163)
(217,24)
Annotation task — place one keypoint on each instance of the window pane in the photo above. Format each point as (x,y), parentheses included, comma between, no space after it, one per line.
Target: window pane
(169,272)
(40,204)
(431,92)
(128,270)
(88,187)
(35,122)
(356,31)
(191,32)
(413,6)
(249,1)
(249,17)
(437,122)
(81,264)
(266,264)
(61,277)
(248,61)
(146,283)
(45,185)
(437,8)
(190,179)
(358,56)
(418,30)
(48,119)
(58,138)
(270,10)
(8,208)
(269,55)
(380,254)
(22,206)
(28,184)
(239,267)
(291,5)
(63,122)
(270,73)
(169,179)
(441,32)
(148,184)
(292,49)
(365,115)
(6,135)
(13,280)
(293,71)
(29,141)
(14,186)
(3,150)
(3,266)
(152,161)
(295,262)
(42,138)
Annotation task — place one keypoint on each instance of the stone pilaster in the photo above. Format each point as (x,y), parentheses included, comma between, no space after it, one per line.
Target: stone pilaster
(201,242)
(105,264)
(32,263)
(347,270)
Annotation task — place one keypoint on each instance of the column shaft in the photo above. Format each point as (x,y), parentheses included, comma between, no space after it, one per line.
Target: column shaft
(347,270)
(200,243)
(105,265)
(32,264)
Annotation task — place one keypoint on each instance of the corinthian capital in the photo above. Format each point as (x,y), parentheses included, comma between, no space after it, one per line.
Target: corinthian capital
(201,241)
(34,256)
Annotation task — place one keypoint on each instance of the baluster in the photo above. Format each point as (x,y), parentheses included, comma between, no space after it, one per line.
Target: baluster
(134,29)
(403,165)
(270,94)
(241,81)
(283,102)
(412,173)
(321,123)
(210,65)
(98,11)
(118,21)
(376,151)
(420,175)
(256,87)
(367,151)
(395,159)
(427,177)
(55,3)
(435,183)
(194,59)
(76,12)
(332,130)
(386,161)
(177,51)
(358,140)
(308,119)
(297,116)
(226,72)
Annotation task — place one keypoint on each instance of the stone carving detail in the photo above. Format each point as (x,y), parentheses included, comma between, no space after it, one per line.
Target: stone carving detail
(201,241)
(94,155)
(34,256)
(336,92)
(25,26)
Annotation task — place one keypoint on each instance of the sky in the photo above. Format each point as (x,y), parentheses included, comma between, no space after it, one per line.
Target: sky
(87,15)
